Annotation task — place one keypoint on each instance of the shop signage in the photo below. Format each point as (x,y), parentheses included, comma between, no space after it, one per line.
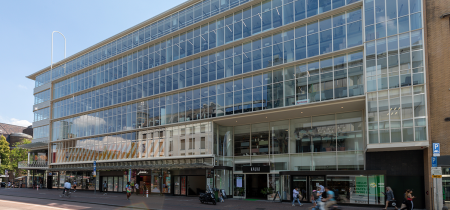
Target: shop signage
(142,172)
(256,169)
(304,101)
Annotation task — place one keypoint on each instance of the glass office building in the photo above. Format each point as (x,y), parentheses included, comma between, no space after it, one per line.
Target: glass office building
(241,95)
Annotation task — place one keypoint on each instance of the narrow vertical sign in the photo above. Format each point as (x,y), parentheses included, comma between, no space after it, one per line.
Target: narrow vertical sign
(95,169)
(434,162)
(436,149)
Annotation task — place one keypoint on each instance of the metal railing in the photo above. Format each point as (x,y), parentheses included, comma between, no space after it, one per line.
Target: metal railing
(33,164)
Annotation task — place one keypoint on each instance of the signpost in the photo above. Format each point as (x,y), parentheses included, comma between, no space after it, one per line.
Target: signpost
(436,174)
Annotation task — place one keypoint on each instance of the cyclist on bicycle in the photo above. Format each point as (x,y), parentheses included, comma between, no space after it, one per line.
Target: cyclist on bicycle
(67,186)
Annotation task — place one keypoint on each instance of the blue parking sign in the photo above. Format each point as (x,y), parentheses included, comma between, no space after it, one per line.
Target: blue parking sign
(436,149)
(434,162)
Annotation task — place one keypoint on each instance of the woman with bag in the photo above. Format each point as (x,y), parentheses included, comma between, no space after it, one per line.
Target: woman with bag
(128,187)
(389,197)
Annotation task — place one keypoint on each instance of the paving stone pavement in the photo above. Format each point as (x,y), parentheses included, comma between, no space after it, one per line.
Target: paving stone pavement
(119,201)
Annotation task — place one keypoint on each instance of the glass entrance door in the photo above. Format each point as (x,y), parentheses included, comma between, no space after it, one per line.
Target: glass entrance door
(179,185)
(315,182)
(176,183)
(300,182)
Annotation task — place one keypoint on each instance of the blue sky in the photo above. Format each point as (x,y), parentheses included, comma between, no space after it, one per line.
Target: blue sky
(25,34)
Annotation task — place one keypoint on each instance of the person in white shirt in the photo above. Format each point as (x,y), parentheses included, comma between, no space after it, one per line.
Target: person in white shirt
(137,188)
(67,186)
(295,196)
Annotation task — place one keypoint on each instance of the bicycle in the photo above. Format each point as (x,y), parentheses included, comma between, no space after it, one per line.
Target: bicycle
(67,194)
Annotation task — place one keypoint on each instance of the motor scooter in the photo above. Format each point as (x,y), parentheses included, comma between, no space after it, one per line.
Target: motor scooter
(208,196)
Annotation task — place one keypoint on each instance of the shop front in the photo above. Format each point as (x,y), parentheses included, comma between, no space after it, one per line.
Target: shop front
(349,187)
(155,181)
(191,182)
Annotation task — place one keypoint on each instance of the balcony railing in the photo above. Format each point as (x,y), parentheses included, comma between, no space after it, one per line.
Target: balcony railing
(33,164)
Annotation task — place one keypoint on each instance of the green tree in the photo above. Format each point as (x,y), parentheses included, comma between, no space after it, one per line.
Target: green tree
(4,155)
(18,154)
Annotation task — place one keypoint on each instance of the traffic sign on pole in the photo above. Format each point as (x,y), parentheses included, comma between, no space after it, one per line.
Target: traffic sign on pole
(436,149)
(433,161)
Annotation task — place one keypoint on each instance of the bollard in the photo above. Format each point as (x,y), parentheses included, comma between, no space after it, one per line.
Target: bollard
(37,187)
(146,193)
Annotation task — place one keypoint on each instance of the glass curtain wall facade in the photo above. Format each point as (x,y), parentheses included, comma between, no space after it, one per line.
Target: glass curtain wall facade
(159,93)
(320,80)
(271,14)
(328,142)
(177,141)
(395,71)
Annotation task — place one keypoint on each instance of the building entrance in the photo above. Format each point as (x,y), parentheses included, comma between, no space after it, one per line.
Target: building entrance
(254,184)
(196,185)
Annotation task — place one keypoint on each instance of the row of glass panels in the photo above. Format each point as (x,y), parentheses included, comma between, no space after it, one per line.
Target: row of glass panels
(397,115)
(263,10)
(193,139)
(327,133)
(397,61)
(254,93)
(159,82)
(41,114)
(293,44)
(184,18)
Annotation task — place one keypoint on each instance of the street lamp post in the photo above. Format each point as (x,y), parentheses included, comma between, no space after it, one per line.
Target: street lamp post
(51,64)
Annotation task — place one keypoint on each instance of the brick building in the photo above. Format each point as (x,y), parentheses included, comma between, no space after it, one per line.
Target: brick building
(437,37)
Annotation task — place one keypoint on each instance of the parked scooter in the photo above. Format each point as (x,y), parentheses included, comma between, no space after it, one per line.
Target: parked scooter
(208,196)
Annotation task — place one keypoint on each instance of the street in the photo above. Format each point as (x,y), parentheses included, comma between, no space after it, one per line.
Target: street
(28,199)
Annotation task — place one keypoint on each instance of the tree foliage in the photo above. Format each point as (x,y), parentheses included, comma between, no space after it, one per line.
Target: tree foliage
(18,154)
(4,155)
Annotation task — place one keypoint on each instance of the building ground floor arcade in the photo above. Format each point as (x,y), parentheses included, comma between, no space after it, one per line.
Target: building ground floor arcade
(257,155)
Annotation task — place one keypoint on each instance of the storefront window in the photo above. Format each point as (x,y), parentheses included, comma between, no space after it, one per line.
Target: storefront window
(349,189)
(260,139)
(274,187)
(376,186)
(222,180)
(286,187)
(166,185)
(155,187)
(239,185)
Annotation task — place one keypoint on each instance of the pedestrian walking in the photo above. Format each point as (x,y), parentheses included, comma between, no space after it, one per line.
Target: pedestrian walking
(105,188)
(128,187)
(303,194)
(9,184)
(389,197)
(132,185)
(137,188)
(74,186)
(144,188)
(407,202)
(314,198)
(329,200)
(296,197)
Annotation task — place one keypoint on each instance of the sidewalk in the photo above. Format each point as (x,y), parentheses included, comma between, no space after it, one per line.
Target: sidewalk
(118,200)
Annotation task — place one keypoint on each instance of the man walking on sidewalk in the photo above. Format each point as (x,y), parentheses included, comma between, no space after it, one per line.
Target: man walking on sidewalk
(137,188)
(296,197)
(105,188)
